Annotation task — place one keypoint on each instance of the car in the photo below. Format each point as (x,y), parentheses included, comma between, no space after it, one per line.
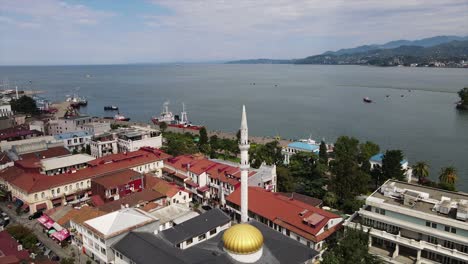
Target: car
(206,207)
(35,215)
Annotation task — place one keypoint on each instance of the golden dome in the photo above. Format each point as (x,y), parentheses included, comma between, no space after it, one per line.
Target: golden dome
(242,239)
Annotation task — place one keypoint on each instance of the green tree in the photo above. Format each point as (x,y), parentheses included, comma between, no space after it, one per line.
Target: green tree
(366,151)
(88,149)
(178,144)
(391,165)
(24,235)
(238,135)
(270,153)
(67,261)
(24,105)
(421,170)
(352,248)
(163,126)
(348,180)
(203,136)
(448,175)
(75,151)
(323,155)
(309,181)
(330,199)
(285,180)
(463,93)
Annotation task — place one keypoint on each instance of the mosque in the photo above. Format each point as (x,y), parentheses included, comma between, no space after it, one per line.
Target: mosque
(212,238)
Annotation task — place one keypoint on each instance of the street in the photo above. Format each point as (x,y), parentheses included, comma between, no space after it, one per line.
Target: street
(42,237)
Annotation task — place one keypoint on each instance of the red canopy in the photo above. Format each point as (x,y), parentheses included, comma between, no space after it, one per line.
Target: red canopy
(61,235)
(49,223)
(43,219)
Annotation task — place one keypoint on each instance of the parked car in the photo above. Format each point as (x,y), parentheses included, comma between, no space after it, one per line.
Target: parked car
(206,207)
(35,215)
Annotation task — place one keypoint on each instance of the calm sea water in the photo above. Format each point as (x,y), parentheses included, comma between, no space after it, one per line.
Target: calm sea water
(286,100)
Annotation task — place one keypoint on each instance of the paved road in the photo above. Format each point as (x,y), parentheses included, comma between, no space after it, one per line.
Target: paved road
(48,242)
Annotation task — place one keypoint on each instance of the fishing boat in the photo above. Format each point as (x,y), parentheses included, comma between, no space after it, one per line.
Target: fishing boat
(119,117)
(111,108)
(367,100)
(174,120)
(77,101)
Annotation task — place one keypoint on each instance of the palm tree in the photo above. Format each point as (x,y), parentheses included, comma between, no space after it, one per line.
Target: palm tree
(448,175)
(421,170)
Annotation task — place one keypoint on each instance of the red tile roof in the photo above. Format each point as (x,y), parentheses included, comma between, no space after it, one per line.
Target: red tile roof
(45,154)
(198,164)
(288,213)
(35,182)
(9,248)
(132,200)
(168,188)
(117,178)
(17,131)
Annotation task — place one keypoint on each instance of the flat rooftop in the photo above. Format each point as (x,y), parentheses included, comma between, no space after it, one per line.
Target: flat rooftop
(173,212)
(428,197)
(61,162)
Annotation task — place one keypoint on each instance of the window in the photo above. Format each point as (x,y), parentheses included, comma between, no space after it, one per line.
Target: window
(189,241)
(428,223)
(58,190)
(201,237)
(434,225)
(77,185)
(35,196)
(66,188)
(298,238)
(53,192)
(212,232)
(42,195)
(432,240)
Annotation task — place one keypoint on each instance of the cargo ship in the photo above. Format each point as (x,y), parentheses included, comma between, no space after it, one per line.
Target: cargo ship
(172,120)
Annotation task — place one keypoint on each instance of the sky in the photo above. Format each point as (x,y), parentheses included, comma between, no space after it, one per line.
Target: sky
(48,32)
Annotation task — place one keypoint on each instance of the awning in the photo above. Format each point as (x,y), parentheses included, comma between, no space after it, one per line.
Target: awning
(70,197)
(57,227)
(61,235)
(51,231)
(43,219)
(57,201)
(41,206)
(49,224)
(204,188)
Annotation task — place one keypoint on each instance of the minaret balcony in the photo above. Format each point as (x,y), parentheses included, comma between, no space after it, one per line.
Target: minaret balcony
(244,166)
(244,147)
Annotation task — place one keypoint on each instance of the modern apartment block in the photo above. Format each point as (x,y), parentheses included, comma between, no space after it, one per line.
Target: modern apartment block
(409,223)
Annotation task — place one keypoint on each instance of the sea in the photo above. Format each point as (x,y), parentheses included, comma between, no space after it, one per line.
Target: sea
(413,109)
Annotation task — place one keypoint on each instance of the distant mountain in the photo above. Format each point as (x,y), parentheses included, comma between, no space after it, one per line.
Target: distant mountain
(426,42)
(261,61)
(446,54)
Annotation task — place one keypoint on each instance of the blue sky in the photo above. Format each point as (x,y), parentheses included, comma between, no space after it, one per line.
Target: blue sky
(132,31)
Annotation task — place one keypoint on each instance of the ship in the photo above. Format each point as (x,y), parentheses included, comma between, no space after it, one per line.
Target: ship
(172,120)
(367,100)
(119,117)
(111,108)
(77,101)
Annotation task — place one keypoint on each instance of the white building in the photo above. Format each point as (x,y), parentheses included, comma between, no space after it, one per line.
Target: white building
(97,128)
(132,139)
(37,125)
(69,124)
(411,223)
(75,141)
(376,162)
(304,145)
(60,165)
(125,140)
(5,110)
(172,215)
(100,233)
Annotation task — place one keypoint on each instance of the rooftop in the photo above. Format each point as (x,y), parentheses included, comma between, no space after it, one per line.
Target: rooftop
(117,178)
(115,223)
(196,226)
(144,248)
(132,200)
(304,146)
(69,135)
(419,198)
(80,215)
(287,212)
(9,249)
(171,212)
(35,182)
(67,161)
(379,157)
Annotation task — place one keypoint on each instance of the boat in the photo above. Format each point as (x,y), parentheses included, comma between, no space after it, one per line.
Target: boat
(119,117)
(77,101)
(111,108)
(174,120)
(367,100)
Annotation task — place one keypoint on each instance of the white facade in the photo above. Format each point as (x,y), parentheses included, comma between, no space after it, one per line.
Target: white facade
(134,140)
(97,128)
(408,221)
(75,141)
(60,165)
(65,125)
(5,110)
(37,125)
(101,232)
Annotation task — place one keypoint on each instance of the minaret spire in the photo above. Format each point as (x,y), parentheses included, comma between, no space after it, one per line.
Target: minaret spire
(244,166)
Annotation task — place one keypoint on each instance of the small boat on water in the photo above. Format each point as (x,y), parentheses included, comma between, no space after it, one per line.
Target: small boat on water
(77,101)
(367,100)
(119,117)
(111,108)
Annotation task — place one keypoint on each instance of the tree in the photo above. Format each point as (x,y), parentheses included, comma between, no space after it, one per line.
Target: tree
(391,165)
(67,261)
(421,170)
(348,180)
(463,93)
(353,248)
(162,126)
(323,155)
(270,153)
(178,144)
(24,105)
(448,175)
(285,180)
(238,135)
(330,199)
(88,149)
(75,151)
(203,136)
(309,181)
(366,151)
